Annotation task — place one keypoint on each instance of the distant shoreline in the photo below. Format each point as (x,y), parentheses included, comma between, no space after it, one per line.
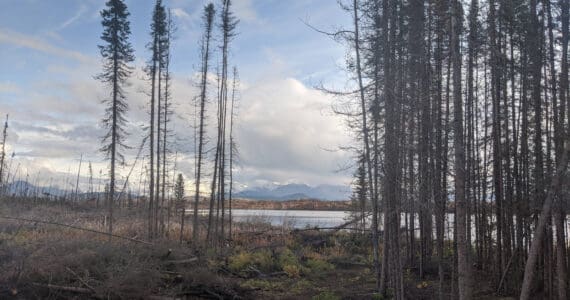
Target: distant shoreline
(299,204)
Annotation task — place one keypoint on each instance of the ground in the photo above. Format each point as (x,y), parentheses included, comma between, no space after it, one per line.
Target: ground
(49,261)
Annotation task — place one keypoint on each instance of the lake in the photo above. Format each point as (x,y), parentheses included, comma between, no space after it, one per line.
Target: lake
(292,218)
(299,219)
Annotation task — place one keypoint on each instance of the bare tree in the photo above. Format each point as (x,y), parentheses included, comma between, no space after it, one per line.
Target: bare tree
(208,19)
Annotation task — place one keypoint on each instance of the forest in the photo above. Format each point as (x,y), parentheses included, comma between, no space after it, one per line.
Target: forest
(459,115)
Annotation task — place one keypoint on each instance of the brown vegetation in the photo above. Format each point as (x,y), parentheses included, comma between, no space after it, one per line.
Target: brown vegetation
(47,261)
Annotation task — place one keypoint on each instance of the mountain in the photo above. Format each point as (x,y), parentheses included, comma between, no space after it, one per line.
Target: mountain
(297,191)
(21,187)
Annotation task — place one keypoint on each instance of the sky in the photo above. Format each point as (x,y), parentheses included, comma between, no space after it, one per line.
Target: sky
(285,129)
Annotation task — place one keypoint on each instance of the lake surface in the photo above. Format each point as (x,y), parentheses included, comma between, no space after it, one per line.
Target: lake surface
(292,218)
(299,219)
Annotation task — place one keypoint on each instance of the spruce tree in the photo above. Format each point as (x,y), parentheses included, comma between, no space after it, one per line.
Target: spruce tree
(117,53)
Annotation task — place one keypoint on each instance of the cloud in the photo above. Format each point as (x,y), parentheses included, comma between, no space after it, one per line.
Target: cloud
(245,11)
(283,129)
(30,42)
(9,87)
(180,13)
(82,10)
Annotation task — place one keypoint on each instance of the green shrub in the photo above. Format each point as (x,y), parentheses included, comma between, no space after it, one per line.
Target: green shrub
(301,286)
(318,267)
(293,271)
(263,260)
(240,261)
(259,284)
(288,258)
(326,296)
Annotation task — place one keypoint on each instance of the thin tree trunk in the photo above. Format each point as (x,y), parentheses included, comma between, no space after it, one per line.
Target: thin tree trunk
(539,232)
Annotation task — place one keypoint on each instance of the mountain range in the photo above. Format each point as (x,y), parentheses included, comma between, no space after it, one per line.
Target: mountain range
(273,192)
(297,191)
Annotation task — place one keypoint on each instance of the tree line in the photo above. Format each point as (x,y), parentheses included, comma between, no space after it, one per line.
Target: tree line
(461,111)
(118,55)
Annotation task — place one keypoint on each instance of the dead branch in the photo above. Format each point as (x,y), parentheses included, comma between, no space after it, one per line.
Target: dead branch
(260,274)
(81,280)
(64,288)
(183,261)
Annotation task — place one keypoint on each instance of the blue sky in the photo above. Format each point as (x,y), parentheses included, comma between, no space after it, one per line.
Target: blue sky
(48,50)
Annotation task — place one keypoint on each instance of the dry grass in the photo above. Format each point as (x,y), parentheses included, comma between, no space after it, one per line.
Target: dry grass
(34,255)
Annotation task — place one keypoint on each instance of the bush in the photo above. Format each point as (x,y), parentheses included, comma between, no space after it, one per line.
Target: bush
(292,271)
(288,258)
(263,260)
(259,284)
(240,261)
(301,286)
(318,267)
(326,296)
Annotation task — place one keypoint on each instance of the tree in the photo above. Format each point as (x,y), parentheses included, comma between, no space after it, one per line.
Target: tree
(218,188)
(365,135)
(3,153)
(233,145)
(154,68)
(179,196)
(464,268)
(208,19)
(166,109)
(117,53)
(359,196)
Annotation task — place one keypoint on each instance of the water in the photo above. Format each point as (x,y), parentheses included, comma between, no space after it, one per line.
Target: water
(299,219)
(309,218)
(292,218)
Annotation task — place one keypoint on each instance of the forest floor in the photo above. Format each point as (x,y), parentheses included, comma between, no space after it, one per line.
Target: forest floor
(50,261)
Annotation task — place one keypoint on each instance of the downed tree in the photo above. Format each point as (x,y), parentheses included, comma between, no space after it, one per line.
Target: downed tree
(542,220)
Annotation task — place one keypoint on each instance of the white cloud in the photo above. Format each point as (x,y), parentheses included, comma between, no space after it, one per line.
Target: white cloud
(180,13)
(283,128)
(34,43)
(245,11)
(9,87)
(82,10)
